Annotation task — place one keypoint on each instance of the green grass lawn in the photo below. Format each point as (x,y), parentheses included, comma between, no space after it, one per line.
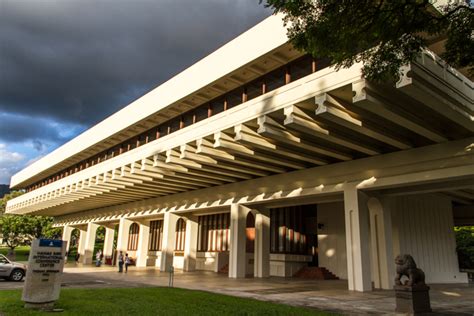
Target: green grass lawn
(21,252)
(150,301)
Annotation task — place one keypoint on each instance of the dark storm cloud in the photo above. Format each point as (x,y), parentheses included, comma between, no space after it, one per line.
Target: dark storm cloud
(16,128)
(80,61)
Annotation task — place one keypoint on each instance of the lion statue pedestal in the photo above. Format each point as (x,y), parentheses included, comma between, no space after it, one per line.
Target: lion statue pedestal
(412,296)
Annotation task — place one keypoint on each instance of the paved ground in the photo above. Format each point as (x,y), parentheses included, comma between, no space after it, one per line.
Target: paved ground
(456,299)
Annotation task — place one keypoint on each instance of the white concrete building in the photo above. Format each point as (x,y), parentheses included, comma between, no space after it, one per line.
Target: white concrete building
(260,160)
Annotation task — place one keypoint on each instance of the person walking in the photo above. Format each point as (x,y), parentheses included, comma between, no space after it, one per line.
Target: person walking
(127,262)
(120,262)
(98,258)
(77,258)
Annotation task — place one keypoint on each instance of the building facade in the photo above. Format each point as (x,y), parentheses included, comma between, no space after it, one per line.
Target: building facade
(260,160)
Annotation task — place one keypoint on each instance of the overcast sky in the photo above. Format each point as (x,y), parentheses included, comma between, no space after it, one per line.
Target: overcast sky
(65,65)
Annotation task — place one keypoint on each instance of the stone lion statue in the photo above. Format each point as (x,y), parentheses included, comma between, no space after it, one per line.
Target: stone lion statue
(406,266)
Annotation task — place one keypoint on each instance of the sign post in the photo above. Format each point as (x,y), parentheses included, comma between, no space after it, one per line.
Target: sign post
(43,276)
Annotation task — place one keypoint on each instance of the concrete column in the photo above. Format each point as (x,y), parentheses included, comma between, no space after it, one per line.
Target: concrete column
(383,267)
(82,242)
(109,241)
(123,232)
(190,245)
(89,243)
(167,246)
(67,230)
(357,239)
(237,255)
(143,239)
(262,245)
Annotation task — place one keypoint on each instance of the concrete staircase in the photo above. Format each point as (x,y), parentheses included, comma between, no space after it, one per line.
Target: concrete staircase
(317,273)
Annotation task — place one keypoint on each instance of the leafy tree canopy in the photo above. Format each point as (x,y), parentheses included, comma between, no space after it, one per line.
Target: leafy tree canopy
(18,230)
(13,230)
(384,34)
(465,246)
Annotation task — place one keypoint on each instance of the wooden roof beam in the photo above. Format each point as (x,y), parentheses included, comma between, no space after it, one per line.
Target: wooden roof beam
(246,135)
(189,152)
(126,172)
(174,177)
(441,98)
(216,173)
(145,167)
(205,147)
(227,143)
(297,119)
(369,100)
(329,109)
(270,128)
(190,175)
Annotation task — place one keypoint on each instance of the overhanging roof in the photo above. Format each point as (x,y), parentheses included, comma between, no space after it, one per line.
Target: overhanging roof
(324,118)
(166,100)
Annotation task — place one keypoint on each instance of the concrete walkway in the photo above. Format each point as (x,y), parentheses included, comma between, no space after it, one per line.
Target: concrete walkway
(456,299)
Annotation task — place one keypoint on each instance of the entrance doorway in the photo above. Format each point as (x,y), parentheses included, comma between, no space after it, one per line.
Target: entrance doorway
(293,239)
(294,230)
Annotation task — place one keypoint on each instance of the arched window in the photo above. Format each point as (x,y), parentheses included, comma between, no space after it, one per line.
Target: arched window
(133,237)
(180,235)
(293,229)
(213,233)
(250,232)
(156,235)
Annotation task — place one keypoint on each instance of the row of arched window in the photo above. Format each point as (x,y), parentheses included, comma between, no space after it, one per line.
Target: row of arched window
(213,234)
(289,232)
(156,236)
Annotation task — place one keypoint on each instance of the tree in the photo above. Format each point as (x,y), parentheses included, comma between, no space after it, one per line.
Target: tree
(14,230)
(384,34)
(11,227)
(41,227)
(100,234)
(465,246)
(18,230)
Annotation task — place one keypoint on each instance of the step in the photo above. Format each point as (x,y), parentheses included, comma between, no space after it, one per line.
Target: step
(317,273)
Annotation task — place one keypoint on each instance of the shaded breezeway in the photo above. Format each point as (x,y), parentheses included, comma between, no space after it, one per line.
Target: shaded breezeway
(329,295)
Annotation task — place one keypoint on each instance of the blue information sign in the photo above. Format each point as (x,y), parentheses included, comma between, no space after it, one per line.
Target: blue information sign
(50,243)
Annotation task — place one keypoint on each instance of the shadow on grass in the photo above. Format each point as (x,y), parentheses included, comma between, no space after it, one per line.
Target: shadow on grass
(151,301)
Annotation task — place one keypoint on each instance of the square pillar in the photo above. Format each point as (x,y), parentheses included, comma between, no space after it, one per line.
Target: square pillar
(82,242)
(190,245)
(167,246)
(143,239)
(383,267)
(89,243)
(122,238)
(237,255)
(262,245)
(109,241)
(67,230)
(357,239)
